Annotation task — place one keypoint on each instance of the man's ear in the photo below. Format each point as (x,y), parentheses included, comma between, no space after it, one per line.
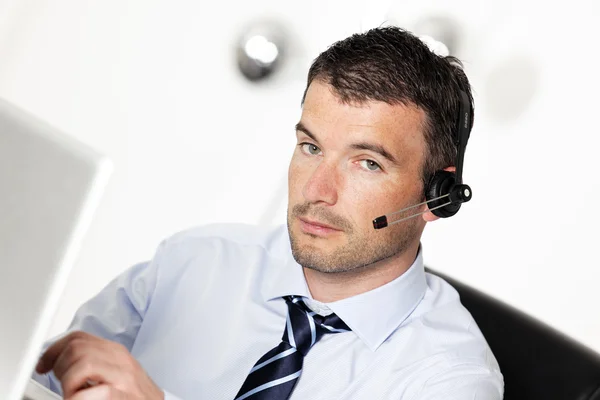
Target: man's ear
(429,216)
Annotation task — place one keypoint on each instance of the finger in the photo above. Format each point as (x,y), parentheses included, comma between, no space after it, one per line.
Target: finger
(98,392)
(92,349)
(48,359)
(84,371)
(73,352)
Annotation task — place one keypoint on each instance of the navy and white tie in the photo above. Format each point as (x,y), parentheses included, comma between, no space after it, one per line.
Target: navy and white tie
(275,374)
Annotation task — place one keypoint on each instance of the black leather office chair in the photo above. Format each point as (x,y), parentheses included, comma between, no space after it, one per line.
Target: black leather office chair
(538,362)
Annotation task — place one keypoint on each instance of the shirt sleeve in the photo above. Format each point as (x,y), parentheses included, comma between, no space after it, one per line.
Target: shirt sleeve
(464,382)
(116,313)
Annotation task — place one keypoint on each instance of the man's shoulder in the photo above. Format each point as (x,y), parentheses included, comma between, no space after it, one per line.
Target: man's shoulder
(229,253)
(448,334)
(272,239)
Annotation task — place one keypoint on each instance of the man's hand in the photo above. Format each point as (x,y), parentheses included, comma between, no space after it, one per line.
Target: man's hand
(80,359)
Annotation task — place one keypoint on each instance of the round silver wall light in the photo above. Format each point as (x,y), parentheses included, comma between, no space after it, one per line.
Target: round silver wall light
(261,50)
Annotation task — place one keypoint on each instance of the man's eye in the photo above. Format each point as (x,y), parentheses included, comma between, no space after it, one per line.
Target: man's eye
(310,148)
(369,165)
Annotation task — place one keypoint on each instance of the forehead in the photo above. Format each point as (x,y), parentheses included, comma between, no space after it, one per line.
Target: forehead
(399,127)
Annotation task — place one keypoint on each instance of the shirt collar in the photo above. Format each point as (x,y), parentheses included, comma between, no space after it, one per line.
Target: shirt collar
(374,315)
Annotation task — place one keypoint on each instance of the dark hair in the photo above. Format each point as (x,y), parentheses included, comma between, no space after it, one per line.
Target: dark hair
(392,65)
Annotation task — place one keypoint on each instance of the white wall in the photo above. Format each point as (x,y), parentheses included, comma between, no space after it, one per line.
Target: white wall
(153,85)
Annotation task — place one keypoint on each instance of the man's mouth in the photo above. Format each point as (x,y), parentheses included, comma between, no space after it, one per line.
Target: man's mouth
(316,227)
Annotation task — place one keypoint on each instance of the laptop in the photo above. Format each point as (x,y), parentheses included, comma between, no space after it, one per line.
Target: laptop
(50,186)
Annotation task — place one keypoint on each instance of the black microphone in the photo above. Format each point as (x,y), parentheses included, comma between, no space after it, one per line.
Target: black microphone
(459,193)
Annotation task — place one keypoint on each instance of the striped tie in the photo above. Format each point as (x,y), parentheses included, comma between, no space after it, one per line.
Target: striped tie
(276,373)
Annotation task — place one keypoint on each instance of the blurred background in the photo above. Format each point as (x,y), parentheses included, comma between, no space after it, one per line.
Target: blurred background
(196,103)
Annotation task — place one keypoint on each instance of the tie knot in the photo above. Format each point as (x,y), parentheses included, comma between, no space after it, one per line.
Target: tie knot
(304,327)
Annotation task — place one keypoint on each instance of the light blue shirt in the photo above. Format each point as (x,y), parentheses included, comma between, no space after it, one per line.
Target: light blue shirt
(209,304)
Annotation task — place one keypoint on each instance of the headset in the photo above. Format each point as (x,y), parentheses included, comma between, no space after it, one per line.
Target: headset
(445,191)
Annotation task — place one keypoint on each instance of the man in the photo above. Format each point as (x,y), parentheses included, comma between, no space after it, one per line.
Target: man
(327,307)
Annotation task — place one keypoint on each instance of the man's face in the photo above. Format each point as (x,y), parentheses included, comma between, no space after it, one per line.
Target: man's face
(353,163)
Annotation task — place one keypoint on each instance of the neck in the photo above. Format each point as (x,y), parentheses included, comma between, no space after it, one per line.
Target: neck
(328,287)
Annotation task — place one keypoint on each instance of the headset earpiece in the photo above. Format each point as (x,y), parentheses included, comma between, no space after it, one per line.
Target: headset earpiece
(440,184)
(450,183)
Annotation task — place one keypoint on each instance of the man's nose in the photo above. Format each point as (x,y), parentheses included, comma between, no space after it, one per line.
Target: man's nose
(322,186)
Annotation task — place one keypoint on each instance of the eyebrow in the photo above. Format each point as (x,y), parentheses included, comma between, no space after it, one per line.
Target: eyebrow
(376,148)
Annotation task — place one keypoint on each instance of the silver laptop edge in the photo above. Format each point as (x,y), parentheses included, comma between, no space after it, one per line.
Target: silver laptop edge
(88,195)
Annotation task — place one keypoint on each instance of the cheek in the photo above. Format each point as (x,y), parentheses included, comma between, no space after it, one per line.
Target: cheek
(368,201)
(294,178)
(363,201)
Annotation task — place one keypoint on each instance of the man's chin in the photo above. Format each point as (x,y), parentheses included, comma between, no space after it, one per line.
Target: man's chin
(318,262)
(315,255)
(314,243)
(305,250)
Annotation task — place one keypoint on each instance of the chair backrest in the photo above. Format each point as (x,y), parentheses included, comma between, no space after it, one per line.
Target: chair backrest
(537,361)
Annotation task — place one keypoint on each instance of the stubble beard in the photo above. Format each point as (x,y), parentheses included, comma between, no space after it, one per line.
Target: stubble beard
(360,250)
